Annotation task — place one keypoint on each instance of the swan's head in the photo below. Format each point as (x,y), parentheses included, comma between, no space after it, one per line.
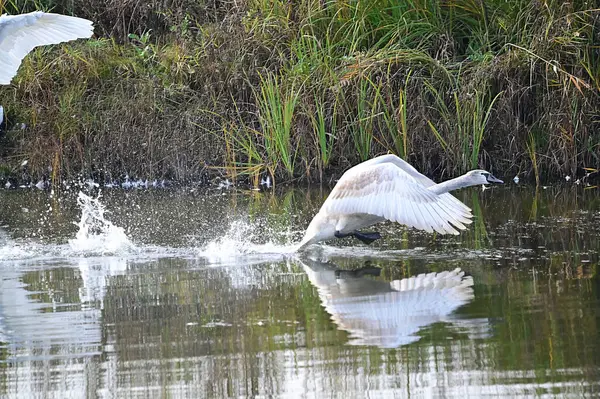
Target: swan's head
(480,176)
(319,229)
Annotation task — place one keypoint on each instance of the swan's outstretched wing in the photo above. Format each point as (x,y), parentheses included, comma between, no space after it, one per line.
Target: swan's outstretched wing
(386,191)
(19,34)
(415,174)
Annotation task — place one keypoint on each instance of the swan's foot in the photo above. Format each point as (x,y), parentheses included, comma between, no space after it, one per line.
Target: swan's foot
(363,271)
(340,235)
(368,271)
(367,238)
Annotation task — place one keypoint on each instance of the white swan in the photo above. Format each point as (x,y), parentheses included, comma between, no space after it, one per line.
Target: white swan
(19,34)
(388,188)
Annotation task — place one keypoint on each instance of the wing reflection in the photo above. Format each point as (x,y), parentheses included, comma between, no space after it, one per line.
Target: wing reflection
(390,314)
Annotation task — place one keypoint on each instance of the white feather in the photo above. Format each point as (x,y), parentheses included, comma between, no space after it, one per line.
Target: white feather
(19,34)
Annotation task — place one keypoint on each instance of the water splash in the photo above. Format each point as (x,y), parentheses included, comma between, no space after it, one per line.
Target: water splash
(96,234)
(10,250)
(239,245)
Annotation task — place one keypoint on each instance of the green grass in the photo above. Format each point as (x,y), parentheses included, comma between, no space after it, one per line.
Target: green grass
(361,120)
(276,111)
(303,90)
(323,125)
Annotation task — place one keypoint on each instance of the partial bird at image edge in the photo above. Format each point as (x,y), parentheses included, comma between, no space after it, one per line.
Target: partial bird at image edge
(19,34)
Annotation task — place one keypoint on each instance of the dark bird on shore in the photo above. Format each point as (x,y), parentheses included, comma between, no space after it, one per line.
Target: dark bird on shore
(19,34)
(389,188)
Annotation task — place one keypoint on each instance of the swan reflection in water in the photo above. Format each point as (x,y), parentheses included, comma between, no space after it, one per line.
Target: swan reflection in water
(390,314)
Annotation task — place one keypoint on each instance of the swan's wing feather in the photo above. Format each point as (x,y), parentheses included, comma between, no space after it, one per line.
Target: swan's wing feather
(452,284)
(19,34)
(415,174)
(402,164)
(387,191)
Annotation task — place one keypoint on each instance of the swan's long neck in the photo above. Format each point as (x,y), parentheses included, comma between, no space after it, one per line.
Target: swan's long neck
(452,184)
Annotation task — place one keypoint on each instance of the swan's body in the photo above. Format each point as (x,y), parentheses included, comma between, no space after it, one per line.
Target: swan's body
(390,314)
(19,34)
(388,188)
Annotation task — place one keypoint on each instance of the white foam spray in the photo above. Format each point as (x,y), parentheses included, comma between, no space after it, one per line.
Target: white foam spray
(239,245)
(96,234)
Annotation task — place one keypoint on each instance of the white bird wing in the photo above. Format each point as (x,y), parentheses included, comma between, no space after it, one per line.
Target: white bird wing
(387,191)
(418,176)
(19,34)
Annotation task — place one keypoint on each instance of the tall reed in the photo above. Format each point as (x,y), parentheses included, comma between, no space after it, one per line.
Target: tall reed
(464,123)
(277,105)
(324,124)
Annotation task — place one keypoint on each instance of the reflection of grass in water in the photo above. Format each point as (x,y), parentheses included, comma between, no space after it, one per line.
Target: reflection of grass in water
(275,210)
(480,231)
(476,234)
(545,310)
(534,203)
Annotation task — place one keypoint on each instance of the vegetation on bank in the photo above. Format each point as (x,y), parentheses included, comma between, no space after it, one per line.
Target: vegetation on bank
(186,89)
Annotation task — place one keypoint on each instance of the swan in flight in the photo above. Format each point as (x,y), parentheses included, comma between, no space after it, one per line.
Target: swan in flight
(19,34)
(389,314)
(389,188)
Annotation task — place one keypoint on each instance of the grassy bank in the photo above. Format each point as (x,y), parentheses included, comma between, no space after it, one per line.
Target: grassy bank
(301,90)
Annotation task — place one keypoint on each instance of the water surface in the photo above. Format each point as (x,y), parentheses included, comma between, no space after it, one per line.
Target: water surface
(199,294)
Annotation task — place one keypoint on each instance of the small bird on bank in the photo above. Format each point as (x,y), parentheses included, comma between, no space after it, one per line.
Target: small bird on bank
(389,188)
(19,34)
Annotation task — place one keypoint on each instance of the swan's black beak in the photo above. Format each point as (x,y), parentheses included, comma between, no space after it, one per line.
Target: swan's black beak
(492,179)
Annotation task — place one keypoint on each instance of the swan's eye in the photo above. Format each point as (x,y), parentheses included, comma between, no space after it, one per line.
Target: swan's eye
(485,174)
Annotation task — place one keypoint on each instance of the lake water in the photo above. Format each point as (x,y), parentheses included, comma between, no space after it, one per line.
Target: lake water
(183,293)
